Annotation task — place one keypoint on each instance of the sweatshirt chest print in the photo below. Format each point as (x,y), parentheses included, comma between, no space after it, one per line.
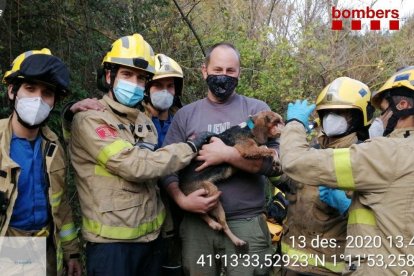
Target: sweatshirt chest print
(218,128)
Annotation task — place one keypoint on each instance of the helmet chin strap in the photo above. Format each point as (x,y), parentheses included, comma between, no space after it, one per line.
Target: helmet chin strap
(351,129)
(396,115)
(19,119)
(392,122)
(339,135)
(23,123)
(26,125)
(113,72)
(112,75)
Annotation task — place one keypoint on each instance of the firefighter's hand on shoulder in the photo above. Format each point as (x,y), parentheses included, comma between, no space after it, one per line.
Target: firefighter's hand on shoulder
(87,104)
(71,108)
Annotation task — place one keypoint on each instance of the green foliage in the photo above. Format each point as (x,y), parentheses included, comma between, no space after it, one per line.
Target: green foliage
(287,52)
(277,65)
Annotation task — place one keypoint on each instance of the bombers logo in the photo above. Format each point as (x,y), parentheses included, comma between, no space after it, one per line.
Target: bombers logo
(374,16)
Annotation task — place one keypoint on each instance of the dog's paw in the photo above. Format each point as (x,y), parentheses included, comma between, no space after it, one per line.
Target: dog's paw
(265,151)
(239,242)
(215,225)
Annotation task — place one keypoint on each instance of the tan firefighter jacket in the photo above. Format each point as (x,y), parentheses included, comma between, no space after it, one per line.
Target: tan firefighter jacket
(65,234)
(116,173)
(313,219)
(381,217)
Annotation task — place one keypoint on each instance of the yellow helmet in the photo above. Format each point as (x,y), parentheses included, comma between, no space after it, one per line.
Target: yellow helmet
(275,230)
(131,51)
(346,93)
(402,78)
(17,62)
(39,65)
(167,67)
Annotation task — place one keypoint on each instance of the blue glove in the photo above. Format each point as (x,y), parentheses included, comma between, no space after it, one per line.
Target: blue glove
(300,110)
(335,198)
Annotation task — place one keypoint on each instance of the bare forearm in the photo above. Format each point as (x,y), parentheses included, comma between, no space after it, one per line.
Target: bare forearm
(175,193)
(248,165)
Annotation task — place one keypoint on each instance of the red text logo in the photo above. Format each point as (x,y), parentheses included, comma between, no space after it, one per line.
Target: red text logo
(376,18)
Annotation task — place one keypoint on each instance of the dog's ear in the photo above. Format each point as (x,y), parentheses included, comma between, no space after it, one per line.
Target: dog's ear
(273,118)
(260,134)
(275,125)
(260,130)
(269,119)
(276,130)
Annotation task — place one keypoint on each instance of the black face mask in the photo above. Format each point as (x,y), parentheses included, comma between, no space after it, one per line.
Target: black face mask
(222,86)
(396,115)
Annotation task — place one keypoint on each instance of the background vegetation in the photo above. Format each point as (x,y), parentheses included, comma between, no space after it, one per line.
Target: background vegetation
(287,46)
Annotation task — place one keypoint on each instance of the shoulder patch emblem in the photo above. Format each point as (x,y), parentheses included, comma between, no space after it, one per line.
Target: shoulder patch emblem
(105,131)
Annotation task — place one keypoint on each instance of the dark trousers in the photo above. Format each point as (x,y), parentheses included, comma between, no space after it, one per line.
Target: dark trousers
(171,257)
(124,259)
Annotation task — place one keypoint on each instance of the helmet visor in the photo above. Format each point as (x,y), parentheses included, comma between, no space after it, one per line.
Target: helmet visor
(44,68)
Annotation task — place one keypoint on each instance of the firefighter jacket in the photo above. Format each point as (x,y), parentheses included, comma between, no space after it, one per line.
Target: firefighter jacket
(381,217)
(312,219)
(64,231)
(116,170)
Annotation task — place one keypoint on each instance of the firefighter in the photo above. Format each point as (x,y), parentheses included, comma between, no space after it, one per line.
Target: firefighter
(379,171)
(345,112)
(162,95)
(32,161)
(161,101)
(117,165)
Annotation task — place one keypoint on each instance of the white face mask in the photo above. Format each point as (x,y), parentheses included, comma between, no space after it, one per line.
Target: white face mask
(32,110)
(334,124)
(376,129)
(162,100)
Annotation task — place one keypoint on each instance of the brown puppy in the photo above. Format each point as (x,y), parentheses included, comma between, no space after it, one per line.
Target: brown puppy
(248,139)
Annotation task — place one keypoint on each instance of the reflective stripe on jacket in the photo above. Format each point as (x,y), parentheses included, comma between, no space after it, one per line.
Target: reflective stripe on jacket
(315,221)
(116,173)
(381,173)
(65,233)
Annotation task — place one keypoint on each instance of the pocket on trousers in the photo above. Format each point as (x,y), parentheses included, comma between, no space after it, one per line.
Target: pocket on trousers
(256,233)
(264,228)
